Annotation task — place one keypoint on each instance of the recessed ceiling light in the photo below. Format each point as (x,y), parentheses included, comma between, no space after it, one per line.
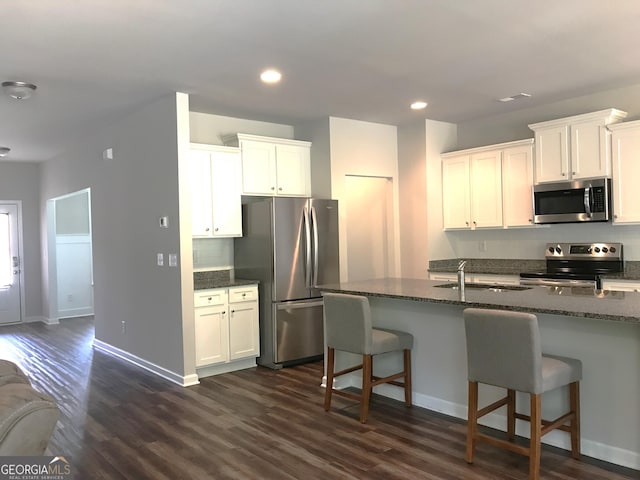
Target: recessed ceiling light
(18,90)
(419,105)
(270,76)
(514,97)
(4,151)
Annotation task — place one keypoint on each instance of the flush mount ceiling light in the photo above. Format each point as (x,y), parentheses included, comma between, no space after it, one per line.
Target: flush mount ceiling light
(4,151)
(18,90)
(515,97)
(419,105)
(270,76)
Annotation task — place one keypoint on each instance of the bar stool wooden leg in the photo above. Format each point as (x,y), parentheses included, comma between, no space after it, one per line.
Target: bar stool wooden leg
(472,420)
(329,388)
(407,378)
(536,434)
(367,373)
(574,405)
(511,415)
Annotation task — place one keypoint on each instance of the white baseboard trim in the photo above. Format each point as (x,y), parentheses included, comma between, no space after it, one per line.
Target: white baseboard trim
(210,370)
(589,448)
(182,380)
(45,320)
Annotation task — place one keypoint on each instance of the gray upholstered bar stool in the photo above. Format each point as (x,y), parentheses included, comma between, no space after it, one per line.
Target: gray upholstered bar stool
(503,349)
(347,320)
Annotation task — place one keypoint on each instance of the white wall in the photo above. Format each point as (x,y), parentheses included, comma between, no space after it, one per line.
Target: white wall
(209,128)
(20,181)
(419,149)
(363,148)
(129,193)
(318,133)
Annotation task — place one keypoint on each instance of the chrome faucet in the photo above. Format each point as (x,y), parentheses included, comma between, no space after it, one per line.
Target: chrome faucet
(461,275)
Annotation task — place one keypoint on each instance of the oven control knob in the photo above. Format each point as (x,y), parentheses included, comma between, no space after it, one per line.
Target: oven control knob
(551,249)
(558,250)
(612,249)
(589,250)
(597,249)
(605,249)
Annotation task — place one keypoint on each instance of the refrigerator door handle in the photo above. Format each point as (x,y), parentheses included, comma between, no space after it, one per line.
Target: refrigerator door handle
(307,252)
(314,223)
(296,305)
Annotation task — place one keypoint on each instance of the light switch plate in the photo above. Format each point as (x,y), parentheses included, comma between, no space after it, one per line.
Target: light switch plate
(160,259)
(173,260)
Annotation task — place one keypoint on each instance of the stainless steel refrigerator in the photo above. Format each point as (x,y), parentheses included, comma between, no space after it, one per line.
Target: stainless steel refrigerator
(290,245)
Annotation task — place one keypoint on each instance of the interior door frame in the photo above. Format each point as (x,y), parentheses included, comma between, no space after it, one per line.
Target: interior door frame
(53,311)
(18,204)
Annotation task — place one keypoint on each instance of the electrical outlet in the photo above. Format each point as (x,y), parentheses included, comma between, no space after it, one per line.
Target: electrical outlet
(482,246)
(124,326)
(173,260)
(160,259)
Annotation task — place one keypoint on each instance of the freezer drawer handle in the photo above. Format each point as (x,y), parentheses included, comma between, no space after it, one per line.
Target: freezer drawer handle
(293,306)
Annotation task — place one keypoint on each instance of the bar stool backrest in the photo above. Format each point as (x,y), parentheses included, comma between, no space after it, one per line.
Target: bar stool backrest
(347,320)
(503,349)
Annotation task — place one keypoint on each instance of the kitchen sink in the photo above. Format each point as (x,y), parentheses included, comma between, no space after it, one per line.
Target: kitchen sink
(484,286)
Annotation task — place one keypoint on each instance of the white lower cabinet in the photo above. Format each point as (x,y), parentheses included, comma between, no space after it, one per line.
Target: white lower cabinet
(226,328)
(476,278)
(621,285)
(244,335)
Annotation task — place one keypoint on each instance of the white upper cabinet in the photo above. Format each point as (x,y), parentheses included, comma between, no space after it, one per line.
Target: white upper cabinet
(456,192)
(626,172)
(216,209)
(517,185)
(274,166)
(488,187)
(575,147)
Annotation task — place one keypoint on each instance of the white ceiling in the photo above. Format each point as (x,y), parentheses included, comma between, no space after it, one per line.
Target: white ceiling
(362,59)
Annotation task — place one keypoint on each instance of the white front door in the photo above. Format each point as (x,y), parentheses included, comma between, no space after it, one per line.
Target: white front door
(9,265)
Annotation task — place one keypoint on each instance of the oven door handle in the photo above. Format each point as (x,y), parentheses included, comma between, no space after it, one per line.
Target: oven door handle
(545,282)
(587,200)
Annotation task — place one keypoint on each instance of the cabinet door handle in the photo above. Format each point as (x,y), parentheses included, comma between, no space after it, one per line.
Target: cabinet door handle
(530,220)
(280,188)
(207,229)
(215,229)
(273,188)
(563,174)
(466,223)
(474,223)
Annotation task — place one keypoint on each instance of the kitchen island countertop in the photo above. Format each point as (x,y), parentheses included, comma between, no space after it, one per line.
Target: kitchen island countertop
(571,301)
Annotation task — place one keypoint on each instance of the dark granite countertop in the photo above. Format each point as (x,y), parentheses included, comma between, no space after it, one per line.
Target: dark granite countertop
(570,301)
(498,266)
(218,279)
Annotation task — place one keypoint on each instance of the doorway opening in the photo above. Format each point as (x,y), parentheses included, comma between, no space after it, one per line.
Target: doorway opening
(70,261)
(11,275)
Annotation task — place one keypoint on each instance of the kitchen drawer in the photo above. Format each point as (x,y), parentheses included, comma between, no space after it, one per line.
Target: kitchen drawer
(243,294)
(204,298)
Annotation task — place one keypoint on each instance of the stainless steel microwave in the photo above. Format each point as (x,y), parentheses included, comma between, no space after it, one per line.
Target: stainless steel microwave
(569,202)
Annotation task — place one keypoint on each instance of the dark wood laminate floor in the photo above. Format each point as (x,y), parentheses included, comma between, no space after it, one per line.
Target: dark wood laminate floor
(120,422)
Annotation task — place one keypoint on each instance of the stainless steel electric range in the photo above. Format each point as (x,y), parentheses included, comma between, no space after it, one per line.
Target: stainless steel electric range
(577,265)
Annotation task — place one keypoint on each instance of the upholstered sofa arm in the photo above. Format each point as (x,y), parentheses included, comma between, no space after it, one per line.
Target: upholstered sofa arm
(27,420)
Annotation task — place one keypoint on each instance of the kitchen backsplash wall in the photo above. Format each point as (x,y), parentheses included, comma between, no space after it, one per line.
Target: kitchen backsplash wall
(212,253)
(529,243)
